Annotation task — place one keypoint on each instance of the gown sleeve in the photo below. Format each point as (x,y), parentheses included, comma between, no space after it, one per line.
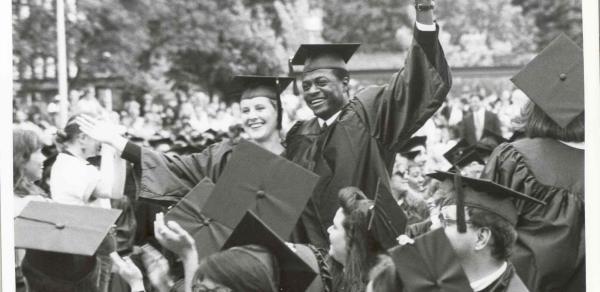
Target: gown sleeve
(394,112)
(172,176)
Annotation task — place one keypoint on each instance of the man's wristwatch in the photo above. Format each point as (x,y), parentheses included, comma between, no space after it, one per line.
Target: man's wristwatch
(424,7)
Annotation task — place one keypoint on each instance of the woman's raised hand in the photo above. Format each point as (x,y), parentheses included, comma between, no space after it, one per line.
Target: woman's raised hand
(173,237)
(103,131)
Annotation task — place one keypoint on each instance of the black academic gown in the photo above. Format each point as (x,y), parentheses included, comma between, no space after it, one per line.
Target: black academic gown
(161,175)
(550,250)
(359,148)
(509,281)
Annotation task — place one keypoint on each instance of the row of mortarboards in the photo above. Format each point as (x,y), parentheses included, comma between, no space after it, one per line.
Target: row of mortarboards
(260,195)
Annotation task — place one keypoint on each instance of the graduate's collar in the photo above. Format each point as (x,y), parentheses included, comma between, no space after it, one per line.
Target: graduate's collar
(484,282)
(577,145)
(329,121)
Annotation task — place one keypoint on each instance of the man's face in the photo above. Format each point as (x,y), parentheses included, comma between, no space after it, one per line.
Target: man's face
(464,244)
(474,103)
(324,92)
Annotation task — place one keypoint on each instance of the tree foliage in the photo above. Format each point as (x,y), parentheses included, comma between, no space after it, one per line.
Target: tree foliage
(162,45)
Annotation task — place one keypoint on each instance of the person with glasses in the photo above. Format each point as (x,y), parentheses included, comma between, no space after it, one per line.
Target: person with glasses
(479,217)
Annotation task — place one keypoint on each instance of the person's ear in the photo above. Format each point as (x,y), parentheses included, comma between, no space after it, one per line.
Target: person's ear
(484,235)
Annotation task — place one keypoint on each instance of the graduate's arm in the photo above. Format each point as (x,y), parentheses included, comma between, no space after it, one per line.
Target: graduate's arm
(414,93)
(108,172)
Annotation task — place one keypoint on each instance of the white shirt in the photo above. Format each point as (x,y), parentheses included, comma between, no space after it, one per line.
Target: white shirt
(479,122)
(329,121)
(489,279)
(73,180)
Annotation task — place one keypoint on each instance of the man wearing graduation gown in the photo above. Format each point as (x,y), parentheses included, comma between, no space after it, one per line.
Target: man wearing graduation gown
(353,141)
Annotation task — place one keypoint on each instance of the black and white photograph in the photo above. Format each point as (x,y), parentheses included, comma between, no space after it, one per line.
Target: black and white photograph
(300,145)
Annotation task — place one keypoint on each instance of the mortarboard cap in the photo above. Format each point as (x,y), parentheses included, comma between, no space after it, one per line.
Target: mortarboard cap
(413,142)
(250,86)
(273,187)
(387,220)
(486,195)
(158,141)
(470,155)
(553,80)
(456,151)
(63,228)
(136,139)
(410,154)
(430,264)
(208,234)
(295,273)
(324,56)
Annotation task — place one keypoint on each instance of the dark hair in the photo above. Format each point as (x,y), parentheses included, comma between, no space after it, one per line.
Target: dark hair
(504,234)
(249,268)
(362,248)
(536,123)
(70,131)
(383,275)
(25,143)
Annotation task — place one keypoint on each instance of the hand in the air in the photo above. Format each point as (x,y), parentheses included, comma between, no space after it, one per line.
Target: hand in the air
(173,237)
(100,130)
(128,271)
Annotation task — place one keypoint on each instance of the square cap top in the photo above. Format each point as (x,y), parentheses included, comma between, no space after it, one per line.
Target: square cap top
(470,155)
(487,195)
(250,86)
(387,220)
(410,155)
(324,56)
(274,188)
(430,264)
(456,151)
(553,80)
(63,228)
(157,141)
(295,273)
(413,142)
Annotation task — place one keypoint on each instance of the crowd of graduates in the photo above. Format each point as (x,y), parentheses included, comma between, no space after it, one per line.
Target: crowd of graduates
(389,188)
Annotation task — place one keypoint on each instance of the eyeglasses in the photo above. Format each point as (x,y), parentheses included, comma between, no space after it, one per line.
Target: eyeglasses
(445,221)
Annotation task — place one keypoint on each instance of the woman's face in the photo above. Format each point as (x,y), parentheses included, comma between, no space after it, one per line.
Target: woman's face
(32,169)
(415,178)
(337,237)
(259,118)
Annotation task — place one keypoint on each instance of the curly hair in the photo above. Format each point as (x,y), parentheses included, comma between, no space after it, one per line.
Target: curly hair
(362,248)
(25,143)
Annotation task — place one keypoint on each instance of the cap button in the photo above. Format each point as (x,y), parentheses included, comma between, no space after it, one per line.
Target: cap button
(260,194)
(562,76)
(59,225)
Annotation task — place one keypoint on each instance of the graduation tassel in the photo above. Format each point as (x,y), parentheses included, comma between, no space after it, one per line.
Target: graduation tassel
(291,74)
(279,109)
(460,202)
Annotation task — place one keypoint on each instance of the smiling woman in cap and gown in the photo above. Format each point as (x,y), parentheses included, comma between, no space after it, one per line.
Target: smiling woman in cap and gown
(353,140)
(549,166)
(170,177)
